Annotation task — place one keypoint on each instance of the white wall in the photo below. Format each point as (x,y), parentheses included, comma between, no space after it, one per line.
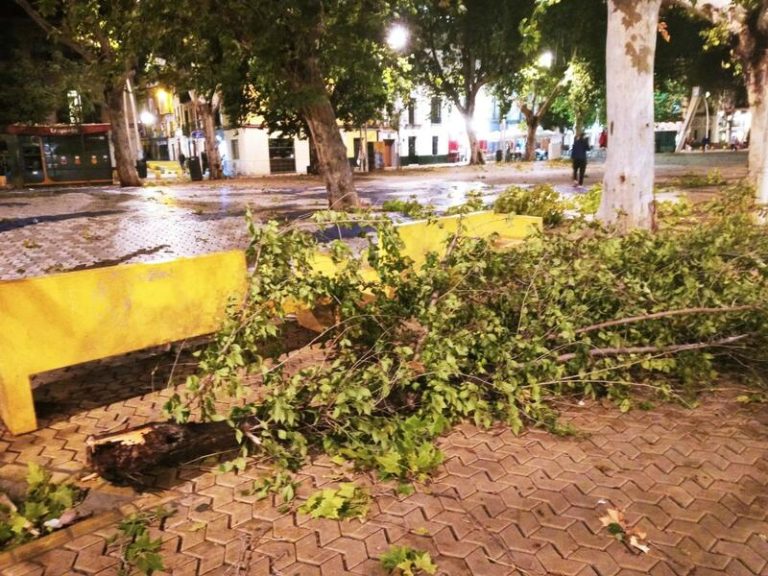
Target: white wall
(301,150)
(254,152)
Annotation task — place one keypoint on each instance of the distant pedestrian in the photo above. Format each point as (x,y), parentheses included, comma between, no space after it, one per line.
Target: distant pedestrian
(182,160)
(603,141)
(579,159)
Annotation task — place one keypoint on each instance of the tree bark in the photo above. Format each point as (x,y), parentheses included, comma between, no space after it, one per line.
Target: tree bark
(532,123)
(475,153)
(758,139)
(124,457)
(331,152)
(125,155)
(205,110)
(629,169)
(753,52)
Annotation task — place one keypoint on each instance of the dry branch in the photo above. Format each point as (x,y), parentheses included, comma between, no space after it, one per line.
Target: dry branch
(664,314)
(624,351)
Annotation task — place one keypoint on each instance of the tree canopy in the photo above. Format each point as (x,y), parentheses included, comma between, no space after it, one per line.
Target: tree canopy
(460,46)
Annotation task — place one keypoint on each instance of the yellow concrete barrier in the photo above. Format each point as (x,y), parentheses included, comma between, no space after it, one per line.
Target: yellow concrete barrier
(165,168)
(425,236)
(55,321)
(420,238)
(64,319)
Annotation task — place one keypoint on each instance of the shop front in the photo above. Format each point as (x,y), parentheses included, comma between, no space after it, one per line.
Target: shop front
(57,154)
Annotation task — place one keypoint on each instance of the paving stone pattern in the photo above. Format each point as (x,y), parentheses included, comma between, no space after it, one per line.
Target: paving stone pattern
(695,481)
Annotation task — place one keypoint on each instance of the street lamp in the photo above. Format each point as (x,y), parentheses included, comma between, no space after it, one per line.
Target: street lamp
(147,118)
(397,37)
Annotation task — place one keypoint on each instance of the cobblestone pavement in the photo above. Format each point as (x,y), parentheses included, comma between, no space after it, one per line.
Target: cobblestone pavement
(52,230)
(696,481)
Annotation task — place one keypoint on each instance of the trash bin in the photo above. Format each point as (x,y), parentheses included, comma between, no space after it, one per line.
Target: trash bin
(141,168)
(195,173)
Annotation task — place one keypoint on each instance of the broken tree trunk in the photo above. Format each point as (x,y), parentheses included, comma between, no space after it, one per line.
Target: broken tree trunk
(123,457)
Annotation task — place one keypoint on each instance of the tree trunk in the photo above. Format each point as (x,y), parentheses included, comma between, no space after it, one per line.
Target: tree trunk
(331,152)
(629,168)
(752,51)
(124,457)
(205,110)
(125,155)
(532,123)
(758,139)
(475,153)
(578,125)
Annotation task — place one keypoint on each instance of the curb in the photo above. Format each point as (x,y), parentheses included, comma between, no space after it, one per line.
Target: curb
(59,538)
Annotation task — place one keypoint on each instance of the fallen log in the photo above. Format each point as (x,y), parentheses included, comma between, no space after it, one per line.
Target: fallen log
(124,457)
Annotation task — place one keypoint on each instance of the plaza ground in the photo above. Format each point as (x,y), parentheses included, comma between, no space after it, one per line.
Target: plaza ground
(694,480)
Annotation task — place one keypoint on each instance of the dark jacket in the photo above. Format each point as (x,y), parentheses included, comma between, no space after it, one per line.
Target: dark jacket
(580,148)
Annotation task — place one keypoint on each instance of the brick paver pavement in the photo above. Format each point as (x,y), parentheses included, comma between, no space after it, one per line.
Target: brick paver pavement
(695,480)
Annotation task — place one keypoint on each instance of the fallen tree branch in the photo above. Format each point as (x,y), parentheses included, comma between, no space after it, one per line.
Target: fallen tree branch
(123,457)
(605,352)
(665,314)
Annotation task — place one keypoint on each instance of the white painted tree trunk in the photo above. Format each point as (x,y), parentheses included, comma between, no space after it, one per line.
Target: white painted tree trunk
(629,170)
(758,140)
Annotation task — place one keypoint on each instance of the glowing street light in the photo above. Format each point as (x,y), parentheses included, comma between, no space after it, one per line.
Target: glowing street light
(397,38)
(545,60)
(147,118)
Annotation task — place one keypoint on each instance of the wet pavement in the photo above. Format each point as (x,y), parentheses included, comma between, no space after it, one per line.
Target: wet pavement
(43,231)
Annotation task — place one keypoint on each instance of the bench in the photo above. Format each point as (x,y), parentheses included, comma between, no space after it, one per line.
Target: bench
(60,320)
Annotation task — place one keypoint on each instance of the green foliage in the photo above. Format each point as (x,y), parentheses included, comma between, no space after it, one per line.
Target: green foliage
(484,33)
(411,208)
(138,551)
(674,212)
(347,501)
(45,502)
(297,53)
(541,200)
(281,484)
(408,561)
(485,336)
(668,100)
(589,202)
(576,105)
(474,202)
(713,178)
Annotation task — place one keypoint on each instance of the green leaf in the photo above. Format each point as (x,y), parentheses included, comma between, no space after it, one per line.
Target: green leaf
(424,562)
(390,463)
(625,405)
(36,475)
(328,507)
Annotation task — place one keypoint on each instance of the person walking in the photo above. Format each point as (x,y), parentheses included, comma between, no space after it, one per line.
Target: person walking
(579,159)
